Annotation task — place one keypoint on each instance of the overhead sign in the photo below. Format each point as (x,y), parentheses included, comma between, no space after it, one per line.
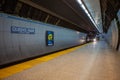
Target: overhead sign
(49,38)
(22,30)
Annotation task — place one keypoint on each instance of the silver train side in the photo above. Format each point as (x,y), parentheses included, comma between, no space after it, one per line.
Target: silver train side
(17,46)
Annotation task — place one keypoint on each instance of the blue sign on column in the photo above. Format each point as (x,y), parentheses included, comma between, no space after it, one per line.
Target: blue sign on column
(49,38)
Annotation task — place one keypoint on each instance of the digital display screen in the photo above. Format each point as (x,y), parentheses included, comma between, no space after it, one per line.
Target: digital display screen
(49,38)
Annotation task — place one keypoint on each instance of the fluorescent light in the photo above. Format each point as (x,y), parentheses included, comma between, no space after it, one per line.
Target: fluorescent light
(79,1)
(77,32)
(86,11)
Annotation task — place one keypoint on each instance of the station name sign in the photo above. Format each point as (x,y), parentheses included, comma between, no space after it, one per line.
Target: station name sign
(22,30)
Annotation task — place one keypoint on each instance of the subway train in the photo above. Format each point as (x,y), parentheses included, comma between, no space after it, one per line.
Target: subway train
(22,38)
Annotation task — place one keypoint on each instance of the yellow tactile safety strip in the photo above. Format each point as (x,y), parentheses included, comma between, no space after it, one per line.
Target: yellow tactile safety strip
(8,71)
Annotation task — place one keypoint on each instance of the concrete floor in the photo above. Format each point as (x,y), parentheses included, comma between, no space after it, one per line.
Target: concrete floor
(95,61)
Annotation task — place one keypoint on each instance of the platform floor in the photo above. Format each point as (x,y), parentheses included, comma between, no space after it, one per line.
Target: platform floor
(94,61)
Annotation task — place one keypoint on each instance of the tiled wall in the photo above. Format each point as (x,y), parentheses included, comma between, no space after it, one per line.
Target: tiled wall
(113,35)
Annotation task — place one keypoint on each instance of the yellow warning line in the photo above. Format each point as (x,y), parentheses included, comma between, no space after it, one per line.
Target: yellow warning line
(8,71)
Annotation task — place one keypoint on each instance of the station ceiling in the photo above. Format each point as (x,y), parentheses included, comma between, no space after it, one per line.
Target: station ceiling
(95,10)
(70,10)
(102,11)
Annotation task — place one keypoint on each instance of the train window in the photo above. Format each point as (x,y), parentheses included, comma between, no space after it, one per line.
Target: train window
(64,23)
(30,13)
(18,7)
(58,21)
(47,18)
(52,20)
(9,6)
(1,4)
(43,16)
(67,24)
(24,10)
(36,14)
(39,15)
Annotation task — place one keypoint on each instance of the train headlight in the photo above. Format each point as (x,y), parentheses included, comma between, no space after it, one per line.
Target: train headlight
(94,40)
(82,40)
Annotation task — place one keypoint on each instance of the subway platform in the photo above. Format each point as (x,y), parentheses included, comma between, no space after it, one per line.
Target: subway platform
(93,61)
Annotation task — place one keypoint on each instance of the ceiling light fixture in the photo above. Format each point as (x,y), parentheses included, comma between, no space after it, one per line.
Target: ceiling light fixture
(86,11)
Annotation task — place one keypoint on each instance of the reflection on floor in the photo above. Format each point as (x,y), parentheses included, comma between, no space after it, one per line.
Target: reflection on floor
(95,61)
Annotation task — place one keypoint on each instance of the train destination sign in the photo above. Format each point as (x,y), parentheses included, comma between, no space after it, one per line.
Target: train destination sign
(22,30)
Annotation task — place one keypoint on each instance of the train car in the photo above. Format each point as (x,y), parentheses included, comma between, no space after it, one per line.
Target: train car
(22,38)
